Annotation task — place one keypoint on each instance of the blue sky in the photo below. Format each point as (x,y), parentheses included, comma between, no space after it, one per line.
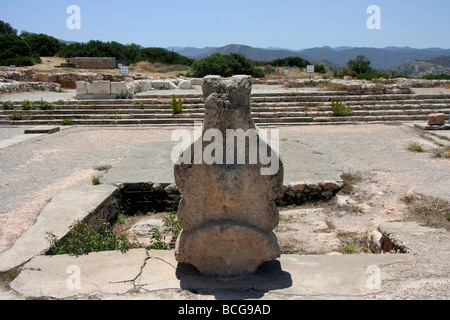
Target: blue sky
(202,23)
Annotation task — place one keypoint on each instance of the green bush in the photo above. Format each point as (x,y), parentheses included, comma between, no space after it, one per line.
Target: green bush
(225,66)
(83,239)
(159,243)
(7,105)
(170,225)
(95,180)
(319,68)
(43,105)
(27,105)
(339,109)
(67,121)
(437,77)
(133,53)
(372,75)
(289,62)
(15,115)
(360,65)
(176,105)
(215,64)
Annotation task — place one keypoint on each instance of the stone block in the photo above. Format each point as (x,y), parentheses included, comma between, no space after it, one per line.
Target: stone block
(88,86)
(158,84)
(119,88)
(436,119)
(353,86)
(101,88)
(131,87)
(169,85)
(42,77)
(185,84)
(81,88)
(332,185)
(197,81)
(147,85)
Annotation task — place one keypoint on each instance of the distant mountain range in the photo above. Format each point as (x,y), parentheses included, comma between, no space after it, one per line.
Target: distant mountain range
(381,58)
(420,68)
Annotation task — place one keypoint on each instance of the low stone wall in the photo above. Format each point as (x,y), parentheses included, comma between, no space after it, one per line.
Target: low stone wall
(379,86)
(10,86)
(65,80)
(92,63)
(125,89)
(351,87)
(161,197)
(144,83)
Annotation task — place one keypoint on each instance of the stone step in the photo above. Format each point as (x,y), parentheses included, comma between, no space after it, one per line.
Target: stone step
(95,122)
(263,97)
(301,108)
(259,107)
(259,121)
(99,111)
(262,113)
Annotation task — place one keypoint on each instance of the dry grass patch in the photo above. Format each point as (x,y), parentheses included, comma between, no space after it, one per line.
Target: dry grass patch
(414,147)
(352,242)
(145,67)
(428,211)
(349,180)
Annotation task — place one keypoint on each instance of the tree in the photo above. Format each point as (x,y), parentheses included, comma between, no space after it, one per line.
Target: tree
(164,56)
(239,64)
(319,68)
(225,66)
(360,65)
(290,62)
(215,64)
(131,52)
(5,28)
(42,44)
(15,51)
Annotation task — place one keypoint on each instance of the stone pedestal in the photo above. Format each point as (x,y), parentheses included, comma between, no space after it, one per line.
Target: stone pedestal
(227,212)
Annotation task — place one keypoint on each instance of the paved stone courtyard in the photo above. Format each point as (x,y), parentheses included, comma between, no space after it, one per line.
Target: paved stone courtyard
(35,170)
(38,169)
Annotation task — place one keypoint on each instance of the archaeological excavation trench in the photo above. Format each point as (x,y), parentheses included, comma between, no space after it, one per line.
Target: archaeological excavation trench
(136,210)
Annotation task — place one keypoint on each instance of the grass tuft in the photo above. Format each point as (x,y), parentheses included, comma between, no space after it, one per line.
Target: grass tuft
(414,147)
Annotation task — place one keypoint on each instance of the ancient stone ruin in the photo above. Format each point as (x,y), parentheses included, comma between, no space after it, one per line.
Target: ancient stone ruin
(227,212)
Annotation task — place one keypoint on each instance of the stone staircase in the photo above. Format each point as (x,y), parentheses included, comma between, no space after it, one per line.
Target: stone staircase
(267,109)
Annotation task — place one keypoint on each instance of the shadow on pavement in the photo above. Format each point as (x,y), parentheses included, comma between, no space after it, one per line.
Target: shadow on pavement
(269,276)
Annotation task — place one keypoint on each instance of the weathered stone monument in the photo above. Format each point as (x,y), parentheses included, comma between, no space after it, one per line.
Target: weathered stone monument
(227,212)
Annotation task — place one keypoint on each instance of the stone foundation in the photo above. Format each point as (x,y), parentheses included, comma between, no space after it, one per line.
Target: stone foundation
(165,197)
(105,89)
